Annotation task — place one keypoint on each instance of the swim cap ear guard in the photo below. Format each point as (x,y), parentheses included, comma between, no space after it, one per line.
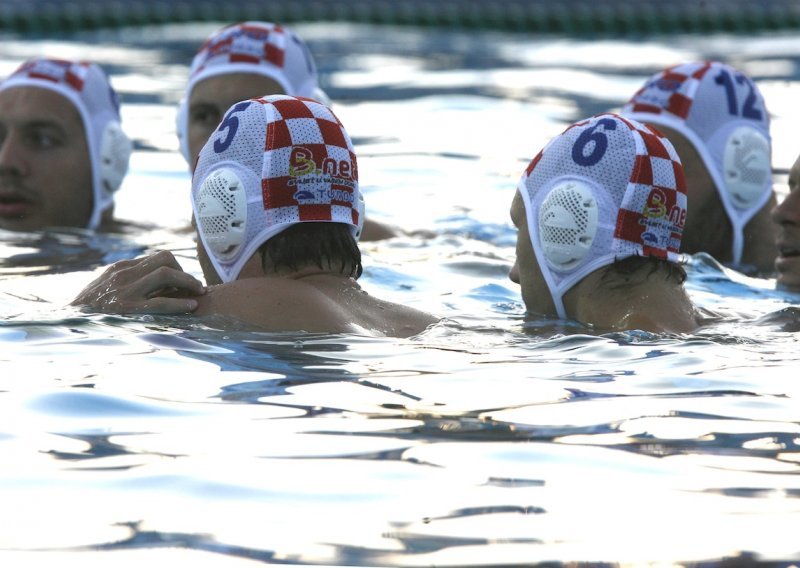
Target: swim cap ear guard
(746,166)
(362,214)
(568,224)
(115,153)
(221,206)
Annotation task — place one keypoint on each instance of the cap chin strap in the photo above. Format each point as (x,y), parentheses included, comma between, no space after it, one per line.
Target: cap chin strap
(221,207)
(568,222)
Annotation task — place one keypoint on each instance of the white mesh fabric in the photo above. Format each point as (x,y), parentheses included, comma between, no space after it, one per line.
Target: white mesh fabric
(86,86)
(746,166)
(628,176)
(292,171)
(260,48)
(567,224)
(707,102)
(222,212)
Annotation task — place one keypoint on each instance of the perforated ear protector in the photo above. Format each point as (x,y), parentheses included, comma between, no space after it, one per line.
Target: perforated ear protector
(115,153)
(221,206)
(746,166)
(360,206)
(568,224)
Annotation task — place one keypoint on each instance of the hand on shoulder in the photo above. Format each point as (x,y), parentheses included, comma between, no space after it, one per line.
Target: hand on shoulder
(154,284)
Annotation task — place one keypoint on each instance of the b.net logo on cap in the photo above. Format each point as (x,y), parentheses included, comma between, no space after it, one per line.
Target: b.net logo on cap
(304,171)
(654,212)
(56,71)
(310,162)
(247,44)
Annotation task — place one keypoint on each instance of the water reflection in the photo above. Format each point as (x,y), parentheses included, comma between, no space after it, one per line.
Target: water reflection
(493,438)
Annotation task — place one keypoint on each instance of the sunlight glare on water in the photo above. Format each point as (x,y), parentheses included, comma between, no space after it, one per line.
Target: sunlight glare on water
(489,439)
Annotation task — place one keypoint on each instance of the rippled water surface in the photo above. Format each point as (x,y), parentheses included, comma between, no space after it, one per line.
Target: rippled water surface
(490,439)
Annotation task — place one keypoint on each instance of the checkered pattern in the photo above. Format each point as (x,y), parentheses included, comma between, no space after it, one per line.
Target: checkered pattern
(671,91)
(257,48)
(310,167)
(68,73)
(297,165)
(653,211)
(243,43)
(88,88)
(637,183)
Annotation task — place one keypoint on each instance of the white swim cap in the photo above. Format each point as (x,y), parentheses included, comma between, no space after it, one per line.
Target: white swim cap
(86,86)
(273,162)
(260,48)
(722,113)
(606,189)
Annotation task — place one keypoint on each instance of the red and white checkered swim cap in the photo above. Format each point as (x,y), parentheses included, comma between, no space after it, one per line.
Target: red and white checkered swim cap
(86,86)
(260,48)
(605,189)
(722,113)
(273,162)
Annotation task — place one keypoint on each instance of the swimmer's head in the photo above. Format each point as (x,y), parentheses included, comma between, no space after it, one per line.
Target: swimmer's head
(721,112)
(242,61)
(606,189)
(272,163)
(86,87)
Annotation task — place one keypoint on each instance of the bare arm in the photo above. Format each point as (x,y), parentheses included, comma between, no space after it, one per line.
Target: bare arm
(154,284)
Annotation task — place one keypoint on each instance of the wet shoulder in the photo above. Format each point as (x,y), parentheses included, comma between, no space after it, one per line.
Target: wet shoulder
(278,304)
(271,304)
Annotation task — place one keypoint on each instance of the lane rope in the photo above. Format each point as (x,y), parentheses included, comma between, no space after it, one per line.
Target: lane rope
(576,17)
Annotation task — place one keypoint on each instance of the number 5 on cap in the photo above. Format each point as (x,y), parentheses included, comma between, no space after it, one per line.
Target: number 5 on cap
(230,122)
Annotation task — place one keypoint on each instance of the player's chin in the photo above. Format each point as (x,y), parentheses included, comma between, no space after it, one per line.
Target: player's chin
(788,268)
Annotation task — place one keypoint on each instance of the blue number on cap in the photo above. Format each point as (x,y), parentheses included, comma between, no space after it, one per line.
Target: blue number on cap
(231,123)
(600,143)
(749,109)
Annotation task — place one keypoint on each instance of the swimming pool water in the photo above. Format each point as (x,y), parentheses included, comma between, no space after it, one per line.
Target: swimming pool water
(491,439)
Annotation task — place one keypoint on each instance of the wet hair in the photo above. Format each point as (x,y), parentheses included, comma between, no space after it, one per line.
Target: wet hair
(635,270)
(329,246)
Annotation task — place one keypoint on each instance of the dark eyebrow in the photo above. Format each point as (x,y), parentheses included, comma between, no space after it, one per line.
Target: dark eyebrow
(37,124)
(33,123)
(42,124)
